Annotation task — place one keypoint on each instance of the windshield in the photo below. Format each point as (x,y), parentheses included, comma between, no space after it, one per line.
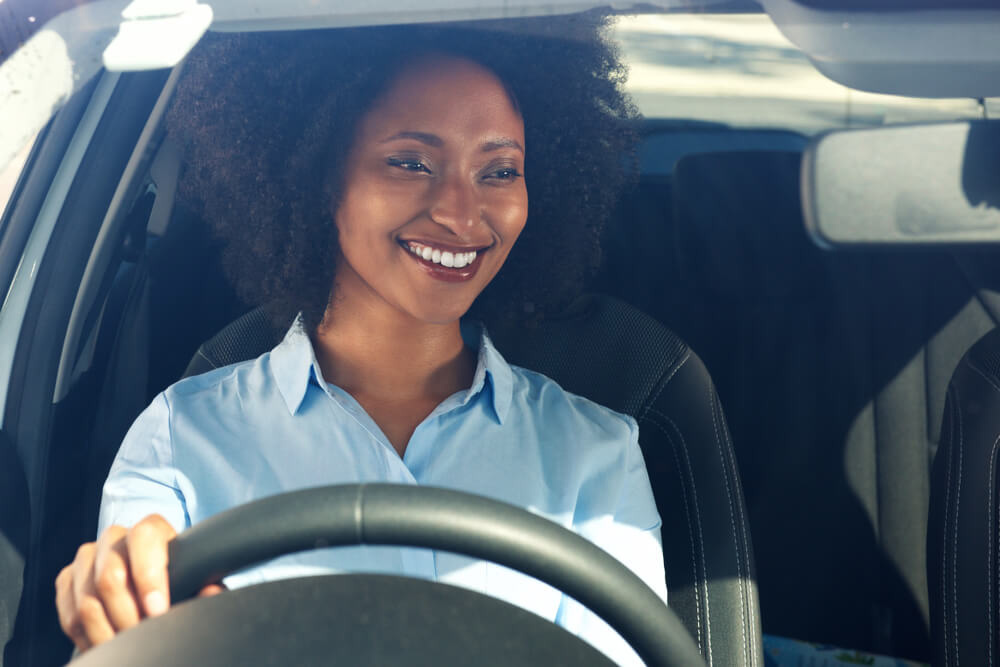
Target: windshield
(820,358)
(741,71)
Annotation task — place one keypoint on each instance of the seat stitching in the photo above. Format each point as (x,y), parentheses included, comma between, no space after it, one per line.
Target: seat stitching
(202,354)
(649,403)
(958,503)
(950,405)
(687,516)
(701,536)
(986,376)
(743,536)
(989,553)
(990,380)
(732,524)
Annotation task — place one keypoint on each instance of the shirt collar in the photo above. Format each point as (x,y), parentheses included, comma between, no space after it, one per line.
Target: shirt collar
(293,364)
(489,364)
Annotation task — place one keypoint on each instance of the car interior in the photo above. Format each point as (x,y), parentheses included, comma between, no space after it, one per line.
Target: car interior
(836,478)
(797,407)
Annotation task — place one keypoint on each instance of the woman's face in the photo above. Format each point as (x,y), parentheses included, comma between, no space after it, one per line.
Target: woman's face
(434,194)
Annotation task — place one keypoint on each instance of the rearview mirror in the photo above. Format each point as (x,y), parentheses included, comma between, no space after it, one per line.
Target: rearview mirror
(905,185)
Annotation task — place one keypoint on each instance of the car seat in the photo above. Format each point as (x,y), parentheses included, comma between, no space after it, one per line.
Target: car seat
(963,536)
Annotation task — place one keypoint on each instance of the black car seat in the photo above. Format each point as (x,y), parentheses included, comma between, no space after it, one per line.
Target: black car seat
(963,536)
(833,369)
(617,356)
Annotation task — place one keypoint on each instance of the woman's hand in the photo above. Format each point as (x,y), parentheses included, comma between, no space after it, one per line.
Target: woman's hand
(115,582)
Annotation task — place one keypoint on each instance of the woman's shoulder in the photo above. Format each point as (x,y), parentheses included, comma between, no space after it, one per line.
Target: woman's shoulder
(542,401)
(537,392)
(204,385)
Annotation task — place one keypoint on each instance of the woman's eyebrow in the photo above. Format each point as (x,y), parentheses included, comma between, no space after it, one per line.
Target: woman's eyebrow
(423,137)
(436,141)
(503,142)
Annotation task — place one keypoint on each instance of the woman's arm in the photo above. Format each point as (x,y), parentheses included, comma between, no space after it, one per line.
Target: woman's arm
(121,578)
(630,533)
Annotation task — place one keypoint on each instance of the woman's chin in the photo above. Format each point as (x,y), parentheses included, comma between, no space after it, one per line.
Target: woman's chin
(440,314)
(443,319)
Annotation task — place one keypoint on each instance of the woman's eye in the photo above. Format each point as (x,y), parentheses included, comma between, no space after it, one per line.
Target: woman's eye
(408,164)
(504,174)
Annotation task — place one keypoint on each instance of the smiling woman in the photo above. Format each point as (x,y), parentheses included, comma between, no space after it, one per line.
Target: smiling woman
(450,188)
(269,133)
(374,197)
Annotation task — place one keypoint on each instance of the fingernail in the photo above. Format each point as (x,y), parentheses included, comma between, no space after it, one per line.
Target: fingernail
(155,603)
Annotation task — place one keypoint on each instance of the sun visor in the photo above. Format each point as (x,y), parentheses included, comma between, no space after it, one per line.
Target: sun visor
(921,184)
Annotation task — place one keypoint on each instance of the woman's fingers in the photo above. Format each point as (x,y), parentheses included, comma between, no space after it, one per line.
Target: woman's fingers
(112,580)
(147,554)
(69,619)
(210,590)
(89,608)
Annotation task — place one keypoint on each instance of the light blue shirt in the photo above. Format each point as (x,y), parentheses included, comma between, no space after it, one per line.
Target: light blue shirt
(270,425)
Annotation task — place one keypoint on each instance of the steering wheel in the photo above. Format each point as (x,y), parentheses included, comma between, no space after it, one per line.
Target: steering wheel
(384,619)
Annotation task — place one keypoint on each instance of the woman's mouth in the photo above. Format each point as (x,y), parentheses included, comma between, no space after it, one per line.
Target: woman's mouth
(446,263)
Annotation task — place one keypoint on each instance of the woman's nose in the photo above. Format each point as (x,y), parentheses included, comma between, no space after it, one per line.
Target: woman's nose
(455,204)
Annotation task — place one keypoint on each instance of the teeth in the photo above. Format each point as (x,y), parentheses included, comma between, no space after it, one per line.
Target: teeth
(444,258)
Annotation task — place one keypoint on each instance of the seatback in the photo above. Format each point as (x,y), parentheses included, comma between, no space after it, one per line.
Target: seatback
(832,368)
(963,551)
(621,358)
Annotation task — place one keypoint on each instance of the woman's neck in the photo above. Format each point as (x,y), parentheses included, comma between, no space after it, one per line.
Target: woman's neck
(390,357)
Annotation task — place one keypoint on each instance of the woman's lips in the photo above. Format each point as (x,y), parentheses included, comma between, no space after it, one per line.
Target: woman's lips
(471,259)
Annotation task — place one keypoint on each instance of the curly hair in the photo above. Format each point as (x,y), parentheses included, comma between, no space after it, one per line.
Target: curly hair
(265,119)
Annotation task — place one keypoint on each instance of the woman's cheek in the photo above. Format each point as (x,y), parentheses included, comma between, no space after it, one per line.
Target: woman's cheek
(510,210)
(518,218)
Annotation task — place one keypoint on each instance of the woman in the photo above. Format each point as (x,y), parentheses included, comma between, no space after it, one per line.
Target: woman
(374,182)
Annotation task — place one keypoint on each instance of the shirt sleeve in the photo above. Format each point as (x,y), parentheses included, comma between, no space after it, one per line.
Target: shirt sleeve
(143,478)
(632,536)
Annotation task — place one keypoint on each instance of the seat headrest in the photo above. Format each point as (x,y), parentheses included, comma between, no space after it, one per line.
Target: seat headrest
(739,226)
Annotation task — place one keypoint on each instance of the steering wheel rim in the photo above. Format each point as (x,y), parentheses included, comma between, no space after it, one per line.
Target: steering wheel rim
(442,519)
